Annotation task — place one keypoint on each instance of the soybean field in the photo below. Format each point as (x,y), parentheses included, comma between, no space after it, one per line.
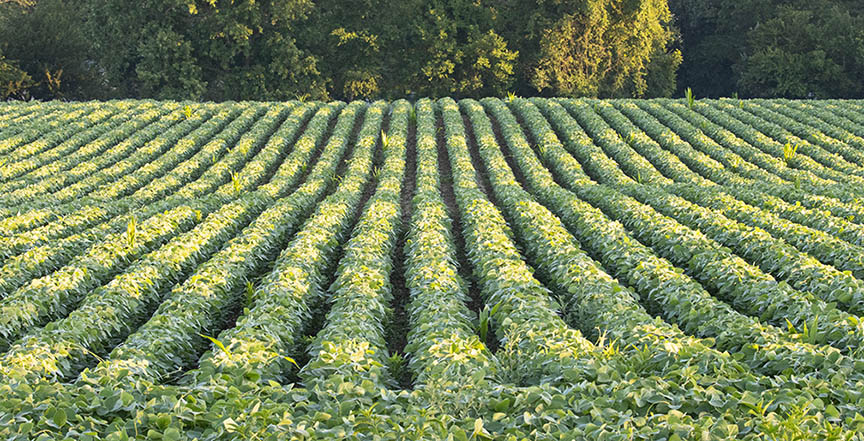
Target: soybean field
(507,269)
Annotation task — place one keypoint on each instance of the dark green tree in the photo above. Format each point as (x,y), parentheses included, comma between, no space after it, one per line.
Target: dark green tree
(47,41)
(708,54)
(283,49)
(14,82)
(219,49)
(805,53)
(351,38)
(455,51)
(390,48)
(770,48)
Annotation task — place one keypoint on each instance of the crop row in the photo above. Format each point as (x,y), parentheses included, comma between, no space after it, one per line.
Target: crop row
(800,269)
(47,133)
(550,245)
(661,284)
(116,308)
(207,145)
(202,303)
(572,269)
(70,138)
(749,183)
(776,257)
(54,254)
(447,356)
(126,155)
(271,310)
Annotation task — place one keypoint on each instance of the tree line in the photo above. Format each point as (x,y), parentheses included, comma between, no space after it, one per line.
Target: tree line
(771,48)
(365,49)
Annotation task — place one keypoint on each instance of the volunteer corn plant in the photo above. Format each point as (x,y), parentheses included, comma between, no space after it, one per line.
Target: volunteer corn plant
(502,269)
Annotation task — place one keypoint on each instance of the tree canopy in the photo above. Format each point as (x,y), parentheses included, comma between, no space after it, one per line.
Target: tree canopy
(772,48)
(338,49)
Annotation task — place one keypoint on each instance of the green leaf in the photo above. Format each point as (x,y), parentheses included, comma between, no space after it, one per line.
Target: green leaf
(26,427)
(459,434)
(163,421)
(218,344)
(791,327)
(59,418)
(171,434)
(496,308)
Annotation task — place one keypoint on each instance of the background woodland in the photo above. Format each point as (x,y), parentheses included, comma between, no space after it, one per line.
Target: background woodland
(223,50)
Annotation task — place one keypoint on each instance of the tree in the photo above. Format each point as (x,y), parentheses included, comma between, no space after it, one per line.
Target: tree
(350,38)
(284,49)
(805,53)
(387,49)
(591,47)
(215,49)
(455,51)
(14,82)
(708,54)
(770,48)
(47,41)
